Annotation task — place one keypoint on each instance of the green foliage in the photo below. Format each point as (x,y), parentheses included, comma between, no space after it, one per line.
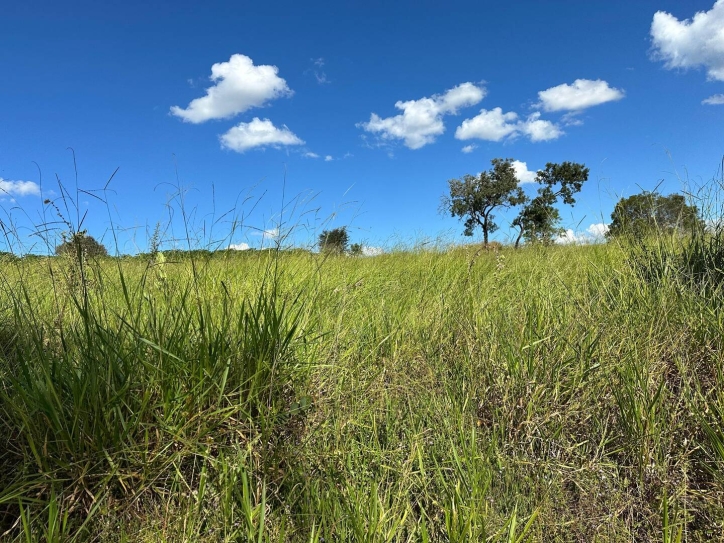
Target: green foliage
(356,249)
(539,218)
(80,243)
(649,213)
(334,241)
(474,199)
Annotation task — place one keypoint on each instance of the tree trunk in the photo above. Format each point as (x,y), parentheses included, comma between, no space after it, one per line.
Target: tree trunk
(485,234)
(517,241)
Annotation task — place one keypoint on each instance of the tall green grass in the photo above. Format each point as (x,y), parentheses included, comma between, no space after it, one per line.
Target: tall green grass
(546,394)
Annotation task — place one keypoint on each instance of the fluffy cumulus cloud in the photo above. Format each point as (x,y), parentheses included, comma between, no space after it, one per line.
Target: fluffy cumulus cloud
(598,230)
(714,100)
(570,237)
(239,85)
(239,247)
(595,233)
(421,121)
(691,43)
(258,133)
(491,125)
(18,188)
(328,158)
(582,94)
(523,173)
(468,149)
(538,129)
(494,125)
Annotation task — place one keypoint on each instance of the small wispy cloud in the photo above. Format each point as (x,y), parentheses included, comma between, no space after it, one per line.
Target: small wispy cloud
(468,149)
(328,158)
(318,71)
(714,100)
(272,233)
(310,155)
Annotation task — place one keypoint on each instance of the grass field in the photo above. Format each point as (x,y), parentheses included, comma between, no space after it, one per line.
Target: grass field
(545,394)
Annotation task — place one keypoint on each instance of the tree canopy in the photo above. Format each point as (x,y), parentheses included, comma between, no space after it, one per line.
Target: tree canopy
(334,241)
(539,218)
(648,212)
(82,243)
(474,198)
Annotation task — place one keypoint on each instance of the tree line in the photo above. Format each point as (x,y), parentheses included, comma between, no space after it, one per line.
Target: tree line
(475,200)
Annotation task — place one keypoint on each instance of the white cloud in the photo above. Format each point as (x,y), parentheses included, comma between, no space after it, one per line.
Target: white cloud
(372,251)
(258,133)
(421,120)
(522,172)
(593,234)
(582,94)
(19,188)
(569,237)
(598,230)
(239,247)
(319,75)
(239,86)
(714,100)
(468,148)
(310,155)
(272,233)
(328,158)
(494,125)
(691,43)
(539,130)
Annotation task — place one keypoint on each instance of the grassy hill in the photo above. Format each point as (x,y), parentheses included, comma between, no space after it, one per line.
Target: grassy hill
(546,394)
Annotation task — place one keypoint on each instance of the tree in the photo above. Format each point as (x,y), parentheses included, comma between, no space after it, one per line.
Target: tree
(538,220)
(648,212)
(475,198)
(82,243)
(356,249)
(334,241)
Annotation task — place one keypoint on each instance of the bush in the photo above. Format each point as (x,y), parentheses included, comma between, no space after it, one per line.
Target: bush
(334,241)
(81,243)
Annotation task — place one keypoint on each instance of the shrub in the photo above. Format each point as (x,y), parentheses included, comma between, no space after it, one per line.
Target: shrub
(80,243)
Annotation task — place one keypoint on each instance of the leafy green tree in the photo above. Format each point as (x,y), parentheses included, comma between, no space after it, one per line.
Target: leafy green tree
(648,212)
(356,249)
(474,198)
(539,218)
(80,243)
(334,241)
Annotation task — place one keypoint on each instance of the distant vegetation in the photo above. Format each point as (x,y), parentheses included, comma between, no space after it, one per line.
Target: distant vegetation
(81,243)
(334,241)
(474,199)
(650,213)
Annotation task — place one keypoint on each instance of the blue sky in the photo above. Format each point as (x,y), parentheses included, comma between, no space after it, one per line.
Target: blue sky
(347,113)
